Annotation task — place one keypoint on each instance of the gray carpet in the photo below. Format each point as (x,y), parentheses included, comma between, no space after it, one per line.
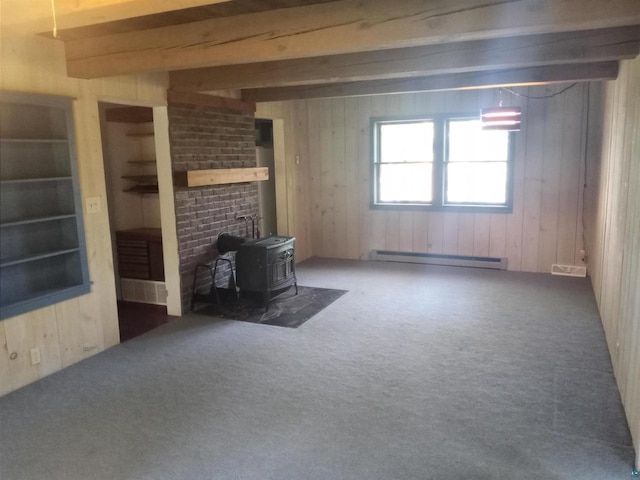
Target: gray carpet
(416,373)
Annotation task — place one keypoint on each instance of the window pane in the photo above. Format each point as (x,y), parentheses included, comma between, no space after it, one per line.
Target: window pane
(474,182)
(409,182)
(469,143)
(406,142)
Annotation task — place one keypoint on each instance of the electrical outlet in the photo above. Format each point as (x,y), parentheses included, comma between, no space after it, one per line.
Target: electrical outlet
(93,205)
(35,356)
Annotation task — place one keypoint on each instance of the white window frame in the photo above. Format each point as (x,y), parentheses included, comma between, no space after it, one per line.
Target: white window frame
(441,122)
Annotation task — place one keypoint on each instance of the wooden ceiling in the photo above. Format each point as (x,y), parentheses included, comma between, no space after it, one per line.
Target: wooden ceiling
(284,49)
(227,8)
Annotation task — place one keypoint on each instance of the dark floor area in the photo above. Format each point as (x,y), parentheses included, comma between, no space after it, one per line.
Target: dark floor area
(289,309)
(136,318)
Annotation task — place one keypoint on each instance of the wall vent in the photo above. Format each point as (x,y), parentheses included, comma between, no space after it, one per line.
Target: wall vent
(569,270)
(437,259)
(143,291)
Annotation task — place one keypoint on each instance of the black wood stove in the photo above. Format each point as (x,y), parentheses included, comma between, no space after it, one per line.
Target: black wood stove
(266,266)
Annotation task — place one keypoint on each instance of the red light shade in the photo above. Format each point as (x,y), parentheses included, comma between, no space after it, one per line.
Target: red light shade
(501,118)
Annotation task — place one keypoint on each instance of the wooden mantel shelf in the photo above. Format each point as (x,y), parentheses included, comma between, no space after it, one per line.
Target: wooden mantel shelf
(221,176)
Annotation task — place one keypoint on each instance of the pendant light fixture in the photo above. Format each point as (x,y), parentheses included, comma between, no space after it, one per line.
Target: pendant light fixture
(501,118)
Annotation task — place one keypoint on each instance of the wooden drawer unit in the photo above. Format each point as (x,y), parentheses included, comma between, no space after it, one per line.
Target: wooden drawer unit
(140,254)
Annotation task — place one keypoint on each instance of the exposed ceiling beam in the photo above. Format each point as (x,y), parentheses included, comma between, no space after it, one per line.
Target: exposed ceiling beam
(223,103)
(454,81)
(26,17)
(533,50)
(344,26)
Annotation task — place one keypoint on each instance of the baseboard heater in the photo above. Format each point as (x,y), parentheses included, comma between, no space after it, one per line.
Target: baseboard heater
(438,259)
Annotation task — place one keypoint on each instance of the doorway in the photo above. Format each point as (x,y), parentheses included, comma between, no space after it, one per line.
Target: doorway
(266,189)
(133,202)
(273,197)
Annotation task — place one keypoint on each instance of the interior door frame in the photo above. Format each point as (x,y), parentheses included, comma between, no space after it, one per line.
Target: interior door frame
(170,253)
(280,168)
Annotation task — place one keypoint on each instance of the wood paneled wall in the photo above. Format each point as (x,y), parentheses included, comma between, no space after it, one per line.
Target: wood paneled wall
(329,183)
(612,221)
(78,328)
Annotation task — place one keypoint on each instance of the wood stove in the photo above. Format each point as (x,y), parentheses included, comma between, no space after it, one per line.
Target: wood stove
(266,266)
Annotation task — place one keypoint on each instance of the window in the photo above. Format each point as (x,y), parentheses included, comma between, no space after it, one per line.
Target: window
(441,163)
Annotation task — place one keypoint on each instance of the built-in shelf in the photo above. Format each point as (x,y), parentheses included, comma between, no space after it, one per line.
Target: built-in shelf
(34,180)
(7,262)
(142,162)
(48,296)
(221,176)
(140,134)
(142,189)
(141,178)
(33,140)
(25,221)
(43,259)
(146,183)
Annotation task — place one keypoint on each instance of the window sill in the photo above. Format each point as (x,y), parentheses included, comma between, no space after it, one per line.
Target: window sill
(416,207)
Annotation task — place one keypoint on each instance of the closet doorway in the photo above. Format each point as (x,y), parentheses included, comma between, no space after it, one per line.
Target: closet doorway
(133,201)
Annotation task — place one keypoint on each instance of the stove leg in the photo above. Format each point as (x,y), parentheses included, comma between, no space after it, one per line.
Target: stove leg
(265,300)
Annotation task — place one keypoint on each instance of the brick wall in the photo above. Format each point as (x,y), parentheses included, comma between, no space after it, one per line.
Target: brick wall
(204,137)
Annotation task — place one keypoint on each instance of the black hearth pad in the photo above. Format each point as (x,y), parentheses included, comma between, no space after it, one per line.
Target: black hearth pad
(285,310)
